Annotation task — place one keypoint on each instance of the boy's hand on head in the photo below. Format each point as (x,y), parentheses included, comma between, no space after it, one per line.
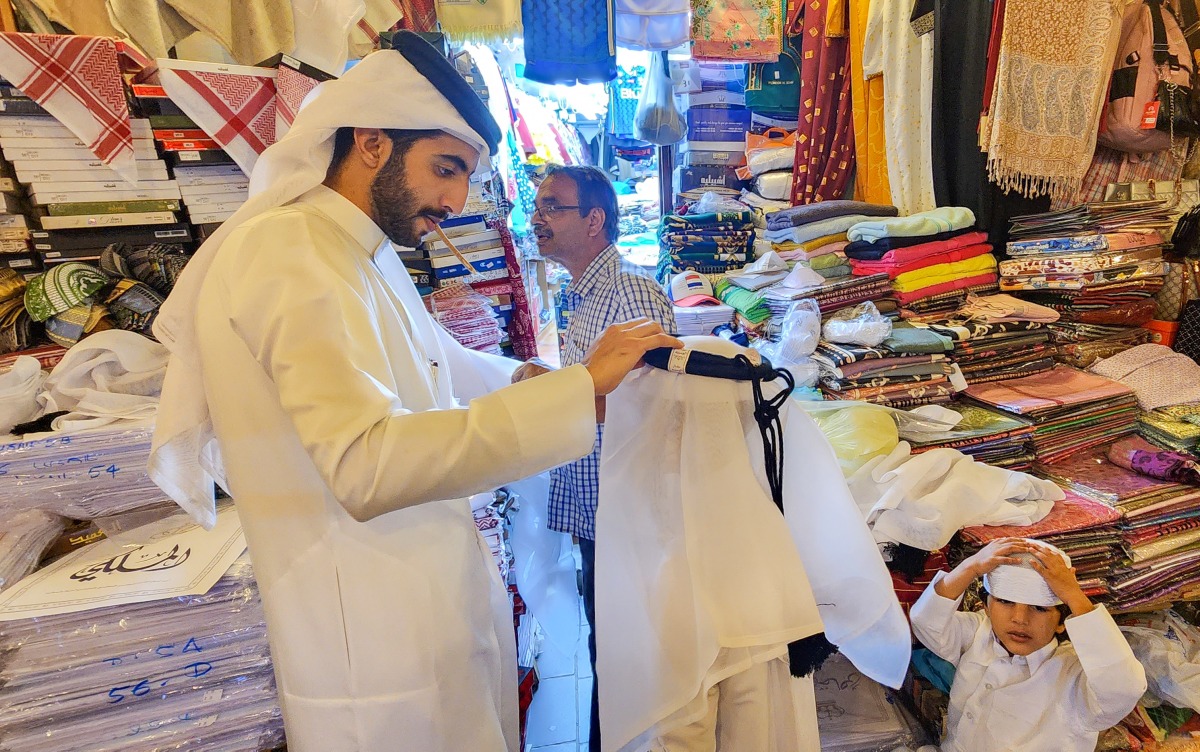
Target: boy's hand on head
(1061,579)
(996,553)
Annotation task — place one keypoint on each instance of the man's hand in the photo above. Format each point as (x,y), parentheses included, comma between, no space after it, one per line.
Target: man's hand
(530,369)
(620,349)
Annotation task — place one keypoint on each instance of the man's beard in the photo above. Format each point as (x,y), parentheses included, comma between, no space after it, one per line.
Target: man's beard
(395,207)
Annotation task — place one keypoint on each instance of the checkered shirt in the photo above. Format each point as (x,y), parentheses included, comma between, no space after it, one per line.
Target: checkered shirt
(610,291)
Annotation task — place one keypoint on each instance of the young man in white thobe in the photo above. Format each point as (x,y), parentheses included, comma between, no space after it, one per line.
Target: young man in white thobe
(309,381)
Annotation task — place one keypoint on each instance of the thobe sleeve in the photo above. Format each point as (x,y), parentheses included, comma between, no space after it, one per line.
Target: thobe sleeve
(474,373)
(315,329)
(1113,680)
(941,627)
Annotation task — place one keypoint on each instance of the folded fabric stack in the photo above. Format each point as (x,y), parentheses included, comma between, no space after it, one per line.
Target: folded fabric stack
(468,316)
(1085,529)
(997,351)
(1092,279)
(709,243)
(830,296)
(750,308)
(1176,427)
(925,255)
(815,234)
(1105,217)
(1160,527)
(1071,409)
(907,376)
(990,436)
(1081,345)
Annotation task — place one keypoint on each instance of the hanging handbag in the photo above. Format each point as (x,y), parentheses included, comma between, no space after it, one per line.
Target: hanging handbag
(1187,341)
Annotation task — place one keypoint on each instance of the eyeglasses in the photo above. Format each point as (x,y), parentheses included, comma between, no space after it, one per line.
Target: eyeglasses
(549,211)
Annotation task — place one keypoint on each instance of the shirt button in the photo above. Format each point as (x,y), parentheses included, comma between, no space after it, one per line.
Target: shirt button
(989,686)
(970,716)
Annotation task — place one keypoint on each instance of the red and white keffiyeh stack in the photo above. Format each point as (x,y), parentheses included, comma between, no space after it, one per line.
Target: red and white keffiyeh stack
(77,80)
(234,104)
(291,87)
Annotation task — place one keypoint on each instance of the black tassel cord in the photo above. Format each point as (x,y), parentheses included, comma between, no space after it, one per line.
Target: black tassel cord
(807,655)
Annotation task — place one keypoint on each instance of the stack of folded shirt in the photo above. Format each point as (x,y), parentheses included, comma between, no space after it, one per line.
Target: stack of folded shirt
(1160,527)
(924,255)
(907,376)
(815,234)
(1107,279)
(997,351)
(830,296)
(709,243)
(751,310)
(1085,529)
(1071,409)
(988,435)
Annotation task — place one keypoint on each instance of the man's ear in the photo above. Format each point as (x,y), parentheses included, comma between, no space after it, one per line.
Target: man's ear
(371,147)
(596,221)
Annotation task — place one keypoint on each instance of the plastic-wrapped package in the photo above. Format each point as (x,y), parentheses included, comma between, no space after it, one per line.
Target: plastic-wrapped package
(857,431)
(861,325)
(774,185)
(855,713)
(191,673)
(24,538)
(80,474)
(714,203)
(799,335)
(1169,649)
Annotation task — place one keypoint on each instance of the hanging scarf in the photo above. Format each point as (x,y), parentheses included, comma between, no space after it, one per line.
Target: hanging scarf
(233,104)
(1051,78)
(824,151)
(78,81)
(420,16)
(479,20)
(750,30)
(571,42)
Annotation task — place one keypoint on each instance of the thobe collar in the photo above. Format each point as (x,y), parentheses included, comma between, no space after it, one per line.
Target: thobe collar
(597,273)
(349,217)
(1034,660)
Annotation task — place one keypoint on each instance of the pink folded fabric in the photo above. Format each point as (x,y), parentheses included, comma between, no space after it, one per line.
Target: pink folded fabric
(894,268)
(958,284)
(917,252)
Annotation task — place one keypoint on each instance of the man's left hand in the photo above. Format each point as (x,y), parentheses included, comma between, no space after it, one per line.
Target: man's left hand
(530,369)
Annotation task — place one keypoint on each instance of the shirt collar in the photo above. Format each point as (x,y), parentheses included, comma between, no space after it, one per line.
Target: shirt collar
(347,216)
(1034,660)
(597,272)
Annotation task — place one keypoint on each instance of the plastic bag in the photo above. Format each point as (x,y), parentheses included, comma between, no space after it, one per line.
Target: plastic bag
(19,387)
(800,334)
(657,120)
(773,150)
(1169,649)
(861,325)
(712,202)
(857,431)
(774,185)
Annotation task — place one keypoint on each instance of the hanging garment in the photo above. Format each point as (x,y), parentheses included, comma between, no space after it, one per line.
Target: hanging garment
(83,17)
(905,61)
(870,147)
(252,30)
(1051,74)
(233,104)
(824,150)
(78,81)
(748,30)
(322,32)
(652,24)
(570,43)
(960,37)
(383,605)
(379,16)
(698,577)
(475,21)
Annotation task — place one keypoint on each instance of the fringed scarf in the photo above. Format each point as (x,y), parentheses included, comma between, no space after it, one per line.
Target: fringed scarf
(480,20)
(1051,78)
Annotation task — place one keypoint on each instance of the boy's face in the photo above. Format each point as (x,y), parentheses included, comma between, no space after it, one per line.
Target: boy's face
(1023,629)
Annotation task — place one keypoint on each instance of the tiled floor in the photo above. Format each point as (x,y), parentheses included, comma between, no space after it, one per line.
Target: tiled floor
(559,716)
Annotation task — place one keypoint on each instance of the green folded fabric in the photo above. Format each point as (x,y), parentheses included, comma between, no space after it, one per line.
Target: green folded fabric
(909,340)
(750,304)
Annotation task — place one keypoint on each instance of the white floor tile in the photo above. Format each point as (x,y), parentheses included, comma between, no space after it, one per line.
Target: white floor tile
(553,713)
